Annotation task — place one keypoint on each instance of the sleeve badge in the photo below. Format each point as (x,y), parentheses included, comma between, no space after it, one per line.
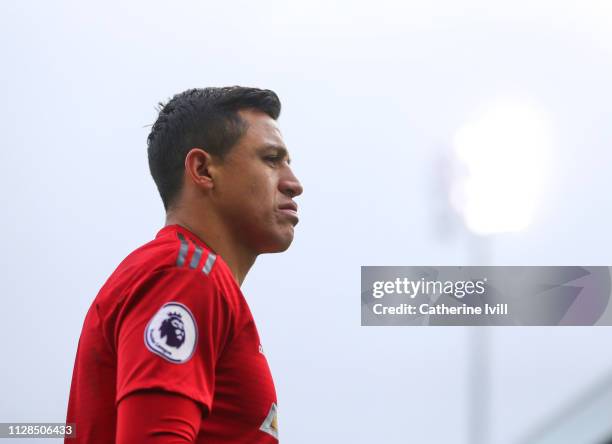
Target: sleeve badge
(172,333)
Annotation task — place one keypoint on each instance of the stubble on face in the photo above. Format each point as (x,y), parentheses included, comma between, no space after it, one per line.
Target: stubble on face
(247,188)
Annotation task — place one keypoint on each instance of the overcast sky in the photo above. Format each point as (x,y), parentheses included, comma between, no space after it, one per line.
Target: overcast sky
(373,94)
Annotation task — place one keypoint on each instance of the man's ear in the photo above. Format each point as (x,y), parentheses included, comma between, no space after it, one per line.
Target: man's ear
(198,168)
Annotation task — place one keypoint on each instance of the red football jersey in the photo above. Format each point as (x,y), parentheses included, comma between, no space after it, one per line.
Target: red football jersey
(171,317)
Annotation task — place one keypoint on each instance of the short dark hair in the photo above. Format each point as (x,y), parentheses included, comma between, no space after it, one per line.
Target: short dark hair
(205,118)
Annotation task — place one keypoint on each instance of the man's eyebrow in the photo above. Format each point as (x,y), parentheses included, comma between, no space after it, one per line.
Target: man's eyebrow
(281,150)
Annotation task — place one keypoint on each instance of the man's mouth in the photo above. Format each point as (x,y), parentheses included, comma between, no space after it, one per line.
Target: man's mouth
(290,209)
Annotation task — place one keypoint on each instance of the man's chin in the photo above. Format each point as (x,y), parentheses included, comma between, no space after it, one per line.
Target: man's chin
(279,244)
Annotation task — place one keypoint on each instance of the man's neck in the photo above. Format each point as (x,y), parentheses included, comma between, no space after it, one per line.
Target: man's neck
(236,256)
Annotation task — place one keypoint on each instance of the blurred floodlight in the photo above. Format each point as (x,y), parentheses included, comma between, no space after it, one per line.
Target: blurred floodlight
(503,157)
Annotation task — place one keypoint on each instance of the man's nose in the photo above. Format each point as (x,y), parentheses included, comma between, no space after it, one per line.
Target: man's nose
(289,185)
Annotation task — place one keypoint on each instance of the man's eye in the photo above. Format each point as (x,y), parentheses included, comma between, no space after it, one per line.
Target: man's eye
(273,158)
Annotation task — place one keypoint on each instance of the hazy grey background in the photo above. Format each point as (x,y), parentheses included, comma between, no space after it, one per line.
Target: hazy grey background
(372,94)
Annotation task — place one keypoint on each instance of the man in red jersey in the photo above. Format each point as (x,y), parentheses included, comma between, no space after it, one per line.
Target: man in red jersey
(169,351)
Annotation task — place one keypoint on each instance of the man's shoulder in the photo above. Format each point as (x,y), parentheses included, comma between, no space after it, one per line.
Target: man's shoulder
(169,263)
(170,250)
(174,268)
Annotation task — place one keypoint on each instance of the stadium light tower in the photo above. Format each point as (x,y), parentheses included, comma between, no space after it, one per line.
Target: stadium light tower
(501,162)
(502,157)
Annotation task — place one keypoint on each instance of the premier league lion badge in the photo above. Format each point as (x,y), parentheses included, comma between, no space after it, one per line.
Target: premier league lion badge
(172,333)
